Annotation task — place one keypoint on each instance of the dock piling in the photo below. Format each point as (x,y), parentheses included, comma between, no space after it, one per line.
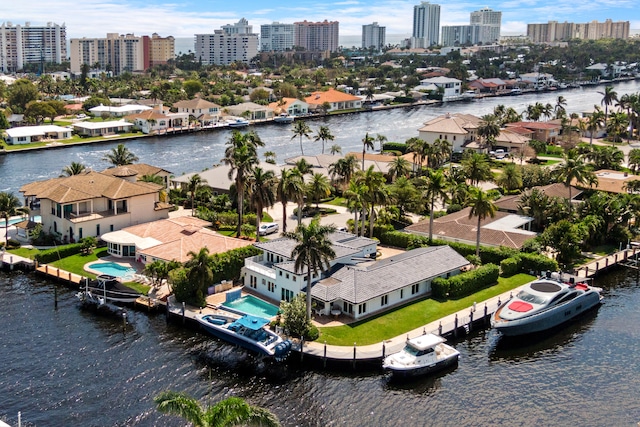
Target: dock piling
(440,329)
(354,355)
(384,349)
(324,358)
(455,326)
(55,296)
(183,310)
(301,349)
(470,320)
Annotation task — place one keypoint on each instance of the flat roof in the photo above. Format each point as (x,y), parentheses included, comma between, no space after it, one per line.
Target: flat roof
(35,130)
(102,125)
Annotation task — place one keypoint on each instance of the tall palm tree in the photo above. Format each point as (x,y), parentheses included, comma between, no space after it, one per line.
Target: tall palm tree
(561,103)
(313,252)
(367,142)
(200,269)
(261,185)
(194,184)
(318,188)
(381,139)
(335,149)
(574,168)
(75,168)
(343,169)
(376,194)
(300,129)
(241,155)
(476,168)
(435,189)
(10,206)
(595,122)
(609,96)
(488,130)
(157,179)
(419,148)
(355,194)
(398,167)
(290,187)
(511,177)
(226,413)
(324,134)
(481,207)
(304,167)
(120,156)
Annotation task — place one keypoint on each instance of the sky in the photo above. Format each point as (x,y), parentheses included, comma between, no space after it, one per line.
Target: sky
(95,18)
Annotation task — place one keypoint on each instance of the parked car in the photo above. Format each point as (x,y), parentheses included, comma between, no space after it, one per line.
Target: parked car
(268,228)
(499,154)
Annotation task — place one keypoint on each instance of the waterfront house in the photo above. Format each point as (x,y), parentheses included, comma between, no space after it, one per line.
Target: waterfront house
(355,285)
(290,106)
(205,112)
(102,128)
(30,134)
(450,87)
(251,111)
(490,86)
(168,240)
(540,131)
(458,129)
(335,99)
(90,203)
(135,172)
(118,110)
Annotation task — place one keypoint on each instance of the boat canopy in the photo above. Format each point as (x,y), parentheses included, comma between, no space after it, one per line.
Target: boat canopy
(252,322)
(425,341)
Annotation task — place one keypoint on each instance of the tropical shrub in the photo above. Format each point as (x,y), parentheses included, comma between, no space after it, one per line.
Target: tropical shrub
(395,146)
(54,254)
(466,283)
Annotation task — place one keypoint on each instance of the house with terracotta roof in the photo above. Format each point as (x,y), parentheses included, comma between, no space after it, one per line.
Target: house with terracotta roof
(168,240)
(541,131)
(511,203)
(251,111)
(613,181)
(90,203)
(205,112)
(157,120)
(290,106)
(355,285)
(336,100)
(488,85)
(135,172)
(458,129)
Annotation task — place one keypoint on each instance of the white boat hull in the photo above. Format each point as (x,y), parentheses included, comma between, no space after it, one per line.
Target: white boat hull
(545,320)
(409,372)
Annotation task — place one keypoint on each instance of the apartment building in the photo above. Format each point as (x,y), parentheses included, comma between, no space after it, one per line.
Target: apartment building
(562,31)
(116,53)
(232,43)
(426,25)
(373,36)
(317,36)
(276,37)
(158,50)
(26,44)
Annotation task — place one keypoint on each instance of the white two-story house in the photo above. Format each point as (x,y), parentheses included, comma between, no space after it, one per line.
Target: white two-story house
(205,112)
(93,203)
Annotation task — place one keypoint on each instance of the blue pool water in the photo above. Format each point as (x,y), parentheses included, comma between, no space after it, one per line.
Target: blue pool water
(111,268)
(249,304)
(13,221)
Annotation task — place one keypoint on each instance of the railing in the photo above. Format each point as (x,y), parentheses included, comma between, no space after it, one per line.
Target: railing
(259,268)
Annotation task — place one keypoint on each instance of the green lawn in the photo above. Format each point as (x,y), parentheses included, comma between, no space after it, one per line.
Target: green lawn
(75,263)
(139,287)
(338,201)
(74,140)
(409,317)
(24,252)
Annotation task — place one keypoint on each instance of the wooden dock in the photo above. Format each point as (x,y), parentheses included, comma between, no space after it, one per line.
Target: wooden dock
(626,258)
(11,261)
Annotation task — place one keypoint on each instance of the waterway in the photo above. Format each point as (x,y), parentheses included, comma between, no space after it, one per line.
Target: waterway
(198,151)
(72,367)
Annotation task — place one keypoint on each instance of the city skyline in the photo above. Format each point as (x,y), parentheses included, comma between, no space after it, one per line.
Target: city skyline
(94,18)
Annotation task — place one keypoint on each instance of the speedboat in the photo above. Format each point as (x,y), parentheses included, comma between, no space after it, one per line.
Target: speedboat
(543,304)
(422,355)
(238,123)
(107,288)
(248,332)
(284,118)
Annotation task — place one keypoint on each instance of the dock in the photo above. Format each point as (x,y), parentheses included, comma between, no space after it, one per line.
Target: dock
(11,262)
(626,257)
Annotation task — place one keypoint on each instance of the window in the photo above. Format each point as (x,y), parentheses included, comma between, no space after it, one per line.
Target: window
(287,275)
(347,308)
(280,272)
(362,308)
(401,293)
(384,300)
(271,287)
(264,281)
(415,288)
(295,278)
(111,227)
(80,233)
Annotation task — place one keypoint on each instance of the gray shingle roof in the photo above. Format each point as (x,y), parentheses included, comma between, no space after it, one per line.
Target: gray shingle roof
(357,284)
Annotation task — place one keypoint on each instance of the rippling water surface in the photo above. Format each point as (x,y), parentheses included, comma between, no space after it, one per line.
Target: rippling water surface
(72,367)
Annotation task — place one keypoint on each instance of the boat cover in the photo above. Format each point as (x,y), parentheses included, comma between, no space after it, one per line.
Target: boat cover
(252,322)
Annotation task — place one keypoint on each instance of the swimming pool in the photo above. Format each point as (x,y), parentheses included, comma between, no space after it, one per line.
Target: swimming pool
(249,304)
(13,221)
(112,269)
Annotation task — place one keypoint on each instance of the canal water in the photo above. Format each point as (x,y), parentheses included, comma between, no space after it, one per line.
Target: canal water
(73,367)
(198,151)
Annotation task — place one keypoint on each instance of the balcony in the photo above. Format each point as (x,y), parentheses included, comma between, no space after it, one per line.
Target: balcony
(78,217)
(253,265)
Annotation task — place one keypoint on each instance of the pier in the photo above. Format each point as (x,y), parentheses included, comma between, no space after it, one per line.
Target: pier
(626,257)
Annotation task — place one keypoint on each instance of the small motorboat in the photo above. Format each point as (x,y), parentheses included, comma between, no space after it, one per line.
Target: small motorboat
(238,123)
(248,331)
(107,288)
(284,118)
(422,355)
(544,304)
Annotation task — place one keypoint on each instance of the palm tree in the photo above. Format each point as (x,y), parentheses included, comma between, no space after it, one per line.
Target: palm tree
(261,185)
(376,194)
(324,134)
(120,156)
(290,187)
(634,159)
(157,179)
(343,169)
(609,96)
(367,142)
(561,103)
(398,167)
(300,129)
(200,269)
(303,166)
(435,189)
(419,148)
(574,168)
(488,130)
(511,178)
(335,149)
(595,122)
(355,195)
(476,168)
(241,155)
(75,168)
(318,188)
(381,139)
(616,126)
(226,413)
(481,207)
(195,182)
(10,206)
(313,252)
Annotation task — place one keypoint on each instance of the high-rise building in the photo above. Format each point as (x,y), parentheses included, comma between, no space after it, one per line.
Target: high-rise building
(426,25)
(276,37)
(460,35)
(116,53)
(233,43)
(21,45)
(563,31)
(321,36)
(489,22)
(158,50)
(373,36)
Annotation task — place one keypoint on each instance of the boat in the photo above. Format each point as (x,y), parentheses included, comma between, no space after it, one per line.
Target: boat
(107,288)
(422,355)
(248,331)
(544,304)
(469,95)
(284,118)
(238,123)
(515,91)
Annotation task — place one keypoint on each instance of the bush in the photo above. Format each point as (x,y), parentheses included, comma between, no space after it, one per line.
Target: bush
(312,333)
(13,244)
(228,265)
(54,254)
(537,263)
(184,290)
(454,208)
(466,283)
(511,266)
(395,146)
(473,259)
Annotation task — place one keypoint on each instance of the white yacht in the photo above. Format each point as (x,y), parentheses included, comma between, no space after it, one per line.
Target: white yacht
(544,304)
(422,355)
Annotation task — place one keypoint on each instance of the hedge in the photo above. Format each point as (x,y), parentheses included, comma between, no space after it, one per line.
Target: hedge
(466,283)
(526,262)
(227,265)
(395,146)
(54,254)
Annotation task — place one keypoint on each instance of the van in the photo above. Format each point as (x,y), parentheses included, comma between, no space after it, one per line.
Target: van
(268,228)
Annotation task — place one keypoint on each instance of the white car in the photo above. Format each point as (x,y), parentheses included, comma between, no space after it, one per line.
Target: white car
(268,228)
